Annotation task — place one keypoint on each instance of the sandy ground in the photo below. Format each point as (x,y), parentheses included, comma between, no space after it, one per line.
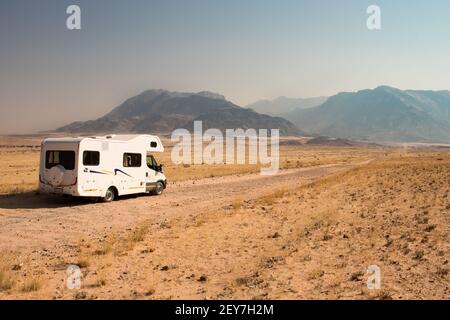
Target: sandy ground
(44,232)
(307,233)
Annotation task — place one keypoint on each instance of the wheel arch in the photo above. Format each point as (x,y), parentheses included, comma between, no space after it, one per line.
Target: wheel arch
(164,182)
(115,190)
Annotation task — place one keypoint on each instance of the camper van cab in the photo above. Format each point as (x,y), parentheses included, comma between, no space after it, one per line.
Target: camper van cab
(102,167)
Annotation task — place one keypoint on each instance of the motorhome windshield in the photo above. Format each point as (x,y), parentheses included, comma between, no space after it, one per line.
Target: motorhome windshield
(153,164)
(58,157)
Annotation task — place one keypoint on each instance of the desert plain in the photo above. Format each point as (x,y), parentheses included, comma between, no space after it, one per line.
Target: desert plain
(226,232)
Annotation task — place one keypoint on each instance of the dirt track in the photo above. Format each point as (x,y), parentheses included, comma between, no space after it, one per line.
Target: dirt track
(44,231)
(36,221)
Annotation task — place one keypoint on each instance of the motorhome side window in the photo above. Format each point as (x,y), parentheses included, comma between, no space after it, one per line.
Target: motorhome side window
(132,160)
(91,158)
(63,158)
(151,162)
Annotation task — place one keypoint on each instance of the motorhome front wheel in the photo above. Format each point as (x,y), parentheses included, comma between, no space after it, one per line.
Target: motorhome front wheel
(159,188)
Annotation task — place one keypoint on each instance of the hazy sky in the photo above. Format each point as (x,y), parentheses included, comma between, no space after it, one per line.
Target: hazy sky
(246,50)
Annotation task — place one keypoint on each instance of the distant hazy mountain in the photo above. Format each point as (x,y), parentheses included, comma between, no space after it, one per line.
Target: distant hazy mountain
(161,111)
(381,114)
(283,105)
(337,142)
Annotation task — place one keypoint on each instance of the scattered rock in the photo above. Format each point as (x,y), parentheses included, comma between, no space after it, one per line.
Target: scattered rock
(80,295)
(262,296)
(270,262)
(149,292)
(327,237)
(442,271)
(17,267)
(202,278)
(356,276)
(418,255)
(275,235)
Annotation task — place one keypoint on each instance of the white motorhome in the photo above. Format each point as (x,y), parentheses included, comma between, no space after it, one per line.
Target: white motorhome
(102,167)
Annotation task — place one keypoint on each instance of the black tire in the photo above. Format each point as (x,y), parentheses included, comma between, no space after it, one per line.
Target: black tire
(159,188)
(110,195)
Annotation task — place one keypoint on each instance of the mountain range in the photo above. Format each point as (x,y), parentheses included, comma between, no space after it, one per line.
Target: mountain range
(380,114)
(282,106)
(162,111)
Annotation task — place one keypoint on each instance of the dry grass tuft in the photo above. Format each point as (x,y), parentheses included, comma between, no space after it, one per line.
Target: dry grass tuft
(106,246)
(32,284)
(237,203)
(101,279)
(273,197)
(442,271)
(7,278)
(316,274)
(83,258)
(382,295)
(150,290)
(137,235)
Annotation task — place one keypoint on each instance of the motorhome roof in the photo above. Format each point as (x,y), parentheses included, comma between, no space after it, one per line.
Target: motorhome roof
(111,137)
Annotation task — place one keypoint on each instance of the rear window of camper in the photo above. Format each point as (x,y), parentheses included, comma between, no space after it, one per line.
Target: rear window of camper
(91,158)
(132,160)
(64,158)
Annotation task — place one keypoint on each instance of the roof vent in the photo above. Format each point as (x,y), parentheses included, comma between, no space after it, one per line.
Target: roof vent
(110,136)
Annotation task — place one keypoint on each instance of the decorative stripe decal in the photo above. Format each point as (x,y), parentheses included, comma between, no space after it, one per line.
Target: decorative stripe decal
(92,171)
(118,170)
(110,173)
